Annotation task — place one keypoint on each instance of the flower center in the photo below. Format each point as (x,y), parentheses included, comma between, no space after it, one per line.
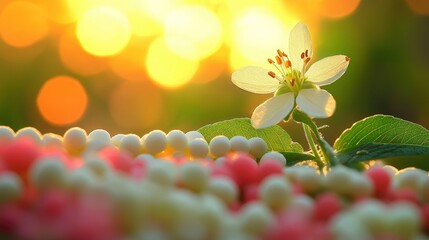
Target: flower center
(291,78)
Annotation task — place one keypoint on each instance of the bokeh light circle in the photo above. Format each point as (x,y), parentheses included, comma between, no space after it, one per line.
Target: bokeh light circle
(419,6)
(255,35)
(23,23)
(335,8)
(103,31)
(166,68)
(62,100)
(75,58)
(193,32)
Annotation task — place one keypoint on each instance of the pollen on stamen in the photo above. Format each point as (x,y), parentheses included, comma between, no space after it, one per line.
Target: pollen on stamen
(302,55)
(347,59)
(288,64)
(292,81)
(306,53)
(272,74)
(307,60)
(279,60)
(270,61)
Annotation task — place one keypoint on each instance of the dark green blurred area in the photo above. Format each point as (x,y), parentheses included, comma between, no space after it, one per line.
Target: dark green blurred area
(388,74)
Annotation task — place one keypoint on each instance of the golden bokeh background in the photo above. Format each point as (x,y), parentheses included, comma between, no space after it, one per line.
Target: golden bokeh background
(131,66)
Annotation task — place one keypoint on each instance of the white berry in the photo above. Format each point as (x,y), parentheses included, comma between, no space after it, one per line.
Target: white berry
(219,146)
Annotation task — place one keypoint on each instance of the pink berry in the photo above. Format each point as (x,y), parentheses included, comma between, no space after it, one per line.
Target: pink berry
(243,167)
(251,193)
(120,161)
(380,178)
(10,218)
(19,155)
(269,167)
(326,206)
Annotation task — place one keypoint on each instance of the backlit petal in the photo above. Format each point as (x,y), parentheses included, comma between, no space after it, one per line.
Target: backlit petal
(299,42)
(316,102)
(327,70)
(255,80)
(272,111)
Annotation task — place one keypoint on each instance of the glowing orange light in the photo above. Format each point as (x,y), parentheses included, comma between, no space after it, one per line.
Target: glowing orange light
(419,6)
(136,105)
(255,34)
(129,64)
(23,23)
(335,8)
(190,38)
(57,10)
(168,69)
(75,58)
(103,31)
(62,100)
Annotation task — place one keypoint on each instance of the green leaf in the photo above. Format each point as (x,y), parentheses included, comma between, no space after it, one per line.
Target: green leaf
(293,158)
(276,137)
(381,136)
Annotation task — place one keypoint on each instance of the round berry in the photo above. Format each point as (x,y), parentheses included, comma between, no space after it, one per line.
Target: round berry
(275,191)
(243,167)
(131,144)
(409,178)
(52,140)
(372,214)
(6,133)
(338,179)
(49,173)
(309,180)
(75,140)
(239,144)
(162,173)
(29,132)
(177,140)
(255,219)
(116,140)
(274,155)
(380,178)
(194,176)
(219,146)
(347,225)
(268,168)
(224,189)
(198,148)
(10,187)
(326,206)
(403,220)
(155,142)
(360,186)
(19,155)
(99,134)
(98,166)
(257,147)
(191,135)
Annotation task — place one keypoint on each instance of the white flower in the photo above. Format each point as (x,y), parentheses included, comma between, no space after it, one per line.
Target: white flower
(296,85)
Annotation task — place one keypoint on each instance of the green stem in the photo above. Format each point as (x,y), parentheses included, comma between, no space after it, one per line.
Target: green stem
(313,148)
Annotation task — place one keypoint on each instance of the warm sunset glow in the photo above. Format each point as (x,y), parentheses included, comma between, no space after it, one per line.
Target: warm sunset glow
(193,32)
(75,58)
(62,100)
(419,6)
(135,105)
(142,24)
(166,68)
(23,23)
(129,64)
(253,35)
(334,8)
(103,31)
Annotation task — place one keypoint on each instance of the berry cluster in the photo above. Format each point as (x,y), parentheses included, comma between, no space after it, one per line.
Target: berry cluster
(178,186)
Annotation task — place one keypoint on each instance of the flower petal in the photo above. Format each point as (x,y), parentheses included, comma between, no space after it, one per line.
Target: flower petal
(299,42)
(316,102)
(327,70)
(273,110)
(255,80)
